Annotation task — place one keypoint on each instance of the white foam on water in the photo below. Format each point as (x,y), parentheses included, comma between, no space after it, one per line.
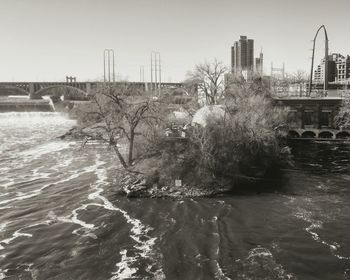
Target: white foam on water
(21,196)
(15,235)
(144,247)
(259,252)
(36,192)
(63,163)
(261,260)
(18,233)
(333,247)
(219,274)
(315,224)
(9,183)
(44,149)
(75,220)
(73,217)
(139,232)
(3,274)
(33,154)
(124,271)
(3,226)
(30,270)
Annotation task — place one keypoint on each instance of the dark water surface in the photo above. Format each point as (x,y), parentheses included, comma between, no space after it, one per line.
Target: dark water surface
(59,217)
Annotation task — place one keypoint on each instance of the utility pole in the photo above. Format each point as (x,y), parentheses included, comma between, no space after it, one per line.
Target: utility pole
(151,72)
(157,70)
(108,63)
(142,74)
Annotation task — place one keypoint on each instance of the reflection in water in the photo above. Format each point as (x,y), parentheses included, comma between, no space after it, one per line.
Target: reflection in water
(61,219)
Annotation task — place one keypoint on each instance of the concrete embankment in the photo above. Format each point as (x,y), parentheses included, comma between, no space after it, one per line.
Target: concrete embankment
(20,104)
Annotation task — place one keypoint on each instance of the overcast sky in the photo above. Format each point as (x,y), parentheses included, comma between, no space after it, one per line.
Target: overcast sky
(45,40)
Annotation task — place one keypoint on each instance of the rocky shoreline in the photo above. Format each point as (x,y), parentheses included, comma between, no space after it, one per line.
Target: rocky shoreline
(134,185)
(78,133)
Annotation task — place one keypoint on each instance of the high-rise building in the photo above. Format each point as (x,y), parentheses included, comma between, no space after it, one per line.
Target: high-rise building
(242,55)
(338,69)
(342,68)
(259,64)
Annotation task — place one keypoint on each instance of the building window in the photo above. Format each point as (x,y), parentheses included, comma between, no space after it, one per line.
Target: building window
(308,118)
(293,119)
(325,119)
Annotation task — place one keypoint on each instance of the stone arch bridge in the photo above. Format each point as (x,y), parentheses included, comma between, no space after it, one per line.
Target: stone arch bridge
(38,89)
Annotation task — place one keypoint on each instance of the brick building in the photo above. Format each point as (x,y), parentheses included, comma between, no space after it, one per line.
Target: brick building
(313,117)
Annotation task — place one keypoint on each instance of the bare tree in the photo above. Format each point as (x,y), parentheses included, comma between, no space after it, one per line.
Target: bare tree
(120,114)
(280,84)
(209,77)
(299,77)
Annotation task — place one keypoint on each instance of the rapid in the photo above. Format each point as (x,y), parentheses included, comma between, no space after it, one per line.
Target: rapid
(61,218)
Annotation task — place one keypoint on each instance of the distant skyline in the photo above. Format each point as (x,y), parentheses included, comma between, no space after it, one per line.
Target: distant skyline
(46,40)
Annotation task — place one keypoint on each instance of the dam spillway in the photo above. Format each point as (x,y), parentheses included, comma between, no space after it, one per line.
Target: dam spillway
(23,104)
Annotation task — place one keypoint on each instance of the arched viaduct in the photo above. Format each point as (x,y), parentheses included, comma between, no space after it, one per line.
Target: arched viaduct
(38,89)
(318,133)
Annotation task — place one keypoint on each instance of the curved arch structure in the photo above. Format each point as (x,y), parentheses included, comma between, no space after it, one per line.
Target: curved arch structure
(343,135)
(35,89)
(8,90)
(326,135)
(308,134)
(319,134)
(41,92)
(325,85)
(293,134)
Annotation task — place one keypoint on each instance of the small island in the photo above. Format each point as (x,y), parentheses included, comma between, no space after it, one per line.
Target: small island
(168,145)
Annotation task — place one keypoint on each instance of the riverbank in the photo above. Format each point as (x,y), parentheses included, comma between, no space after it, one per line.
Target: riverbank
(134,185)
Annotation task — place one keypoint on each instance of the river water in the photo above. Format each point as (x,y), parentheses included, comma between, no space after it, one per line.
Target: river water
(61,219)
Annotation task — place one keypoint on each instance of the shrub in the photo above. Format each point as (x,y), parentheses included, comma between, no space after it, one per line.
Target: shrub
(244,141)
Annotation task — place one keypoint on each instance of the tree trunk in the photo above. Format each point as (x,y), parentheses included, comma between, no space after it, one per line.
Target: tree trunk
(120,157)
(131,146)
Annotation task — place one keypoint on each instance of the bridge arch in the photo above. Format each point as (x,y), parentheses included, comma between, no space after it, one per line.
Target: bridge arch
(326,134)
(308,134)
(293,134)
(325,85)
(42,92)
(343,135)
(19,91)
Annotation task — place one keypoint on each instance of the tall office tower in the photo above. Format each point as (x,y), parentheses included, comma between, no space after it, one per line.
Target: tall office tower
(259,64)
(242,55)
